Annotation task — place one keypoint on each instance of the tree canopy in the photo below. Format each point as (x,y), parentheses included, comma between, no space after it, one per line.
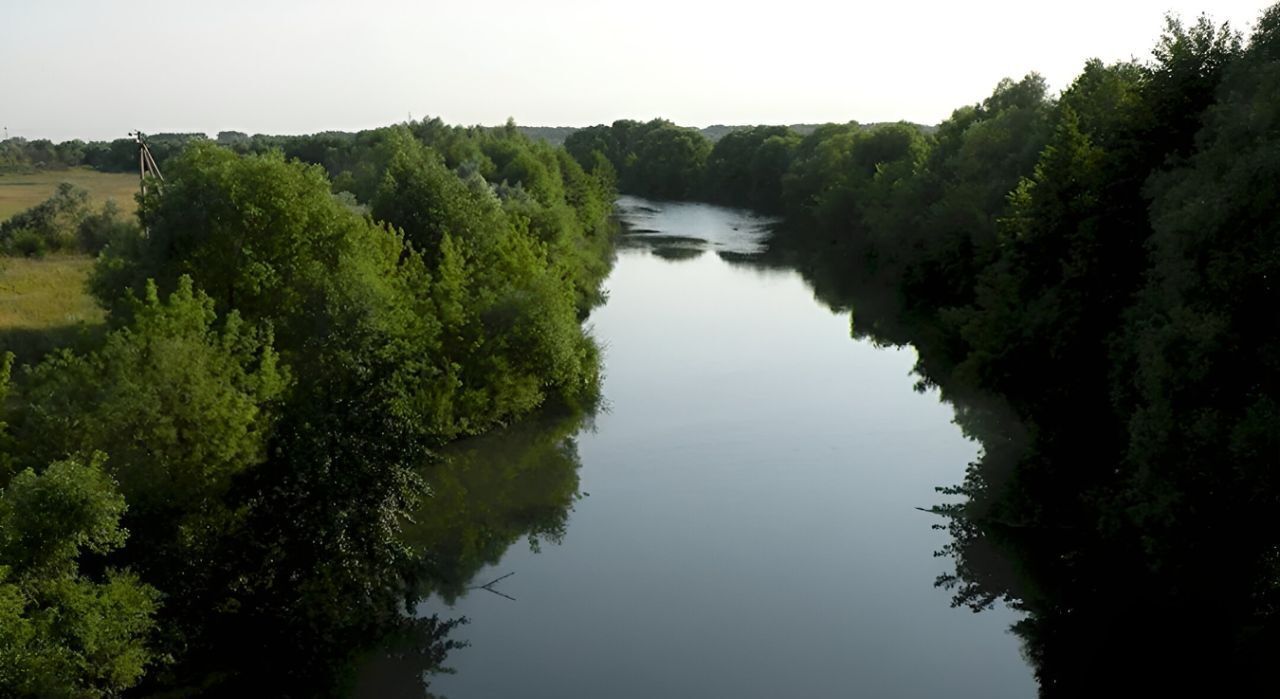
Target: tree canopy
(292,337)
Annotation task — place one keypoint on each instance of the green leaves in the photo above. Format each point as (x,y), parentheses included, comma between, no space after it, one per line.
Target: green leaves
(655,159)
(281,361)
(62,633)
(259,236)
(50,518)
(179,405)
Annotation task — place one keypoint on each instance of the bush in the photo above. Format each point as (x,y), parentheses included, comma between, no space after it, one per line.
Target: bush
(64,222)
(25,242)
(100,229)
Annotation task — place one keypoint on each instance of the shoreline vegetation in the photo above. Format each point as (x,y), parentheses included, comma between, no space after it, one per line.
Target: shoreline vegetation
(236,459)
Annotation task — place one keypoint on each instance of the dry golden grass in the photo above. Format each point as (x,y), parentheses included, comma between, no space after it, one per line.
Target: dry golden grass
(19,192)
(45,304)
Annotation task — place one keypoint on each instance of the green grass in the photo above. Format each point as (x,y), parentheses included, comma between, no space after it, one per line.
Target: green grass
(46,304)
(19,192)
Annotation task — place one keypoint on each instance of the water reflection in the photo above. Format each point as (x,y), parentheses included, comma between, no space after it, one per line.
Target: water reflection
(492,491)
(670,248)
(485,495)
(1101,621)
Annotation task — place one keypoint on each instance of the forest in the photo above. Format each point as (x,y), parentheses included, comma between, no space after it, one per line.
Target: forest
(211,496)
(1090,278)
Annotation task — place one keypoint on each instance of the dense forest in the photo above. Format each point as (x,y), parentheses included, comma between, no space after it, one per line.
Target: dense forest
(211,496)
(1090,279)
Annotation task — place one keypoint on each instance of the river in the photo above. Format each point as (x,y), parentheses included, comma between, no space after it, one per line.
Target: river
(739,520)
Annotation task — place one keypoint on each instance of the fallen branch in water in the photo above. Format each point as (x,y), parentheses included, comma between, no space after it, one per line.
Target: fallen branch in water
(489,586)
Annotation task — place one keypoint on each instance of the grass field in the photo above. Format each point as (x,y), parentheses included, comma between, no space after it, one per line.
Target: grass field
(19,192)
(44,304)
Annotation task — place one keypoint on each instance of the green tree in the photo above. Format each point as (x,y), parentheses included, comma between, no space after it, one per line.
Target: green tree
(746,167)
(1203,426)
(266,238)
(180,403)
(979,155)
(62,632)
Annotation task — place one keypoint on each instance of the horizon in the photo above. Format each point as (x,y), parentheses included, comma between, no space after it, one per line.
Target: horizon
(294,68)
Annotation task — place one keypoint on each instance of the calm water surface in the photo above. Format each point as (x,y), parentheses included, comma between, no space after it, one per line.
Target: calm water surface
(745,523)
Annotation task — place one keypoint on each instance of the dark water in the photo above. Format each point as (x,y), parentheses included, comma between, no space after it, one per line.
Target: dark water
(738,522)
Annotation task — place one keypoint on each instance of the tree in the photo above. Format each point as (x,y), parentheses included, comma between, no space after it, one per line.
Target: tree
(1204,424)
(62,632)
(180,403)
(266,238)
(745,167)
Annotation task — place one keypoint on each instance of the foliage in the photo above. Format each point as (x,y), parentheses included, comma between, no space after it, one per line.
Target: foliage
(654,159)
(180,406)
(268,420)
(64,632)
(746,166)
(1203,425)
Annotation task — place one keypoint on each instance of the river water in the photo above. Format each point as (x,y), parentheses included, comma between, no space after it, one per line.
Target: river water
(738,521)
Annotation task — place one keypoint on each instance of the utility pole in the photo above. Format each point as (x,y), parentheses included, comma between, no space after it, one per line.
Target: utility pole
(146,162)
(146,166)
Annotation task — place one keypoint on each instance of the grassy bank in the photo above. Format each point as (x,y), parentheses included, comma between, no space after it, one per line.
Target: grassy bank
(22,191)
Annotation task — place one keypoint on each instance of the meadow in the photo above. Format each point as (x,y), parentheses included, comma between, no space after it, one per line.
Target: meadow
(44,303)
(20,191)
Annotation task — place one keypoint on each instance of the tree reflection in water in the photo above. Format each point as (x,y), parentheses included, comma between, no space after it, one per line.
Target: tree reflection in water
(486,495)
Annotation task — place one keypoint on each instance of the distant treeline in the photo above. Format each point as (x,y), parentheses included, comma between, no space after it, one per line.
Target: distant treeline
(1093,280)
(121,155)
(209,497)
(746,166)
(557,135)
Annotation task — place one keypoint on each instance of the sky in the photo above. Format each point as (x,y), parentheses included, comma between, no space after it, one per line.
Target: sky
(95,70)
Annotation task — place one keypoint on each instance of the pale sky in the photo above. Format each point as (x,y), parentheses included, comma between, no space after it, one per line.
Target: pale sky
(96,69)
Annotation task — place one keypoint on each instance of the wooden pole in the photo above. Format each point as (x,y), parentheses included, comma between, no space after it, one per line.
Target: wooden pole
(151,163)
(142,164)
